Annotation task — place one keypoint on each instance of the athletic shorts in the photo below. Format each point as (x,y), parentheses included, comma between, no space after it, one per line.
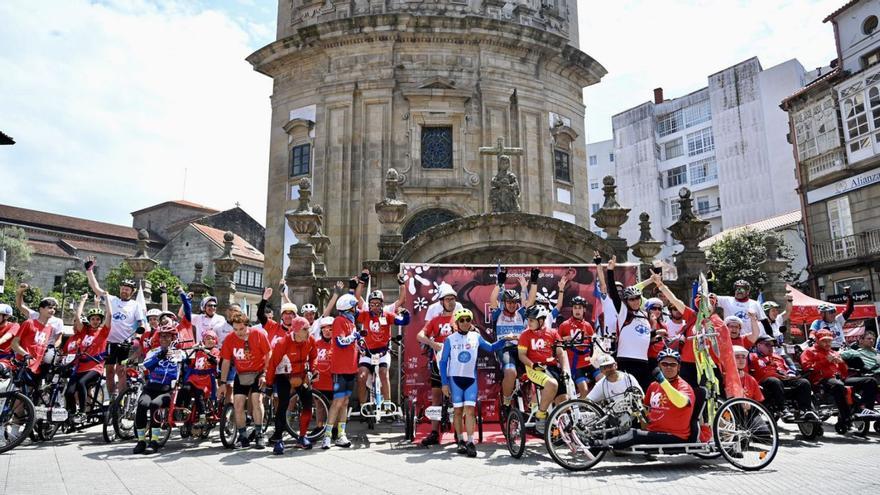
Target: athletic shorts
(539,378)
(117,353)
(239,389)
(585,374)
(384,360)
(343,385)
(435,374)
(463,391)
(508,358)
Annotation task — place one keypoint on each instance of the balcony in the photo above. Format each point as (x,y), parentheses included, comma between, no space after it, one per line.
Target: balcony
(708,212)
(826,164)
(851,247)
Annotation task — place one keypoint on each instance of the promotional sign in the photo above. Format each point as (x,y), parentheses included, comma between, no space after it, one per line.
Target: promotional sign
(474,284)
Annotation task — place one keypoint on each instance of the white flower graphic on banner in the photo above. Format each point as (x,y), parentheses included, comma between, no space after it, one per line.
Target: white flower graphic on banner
(550,295)
(435,291)
(420,304)
(412,275)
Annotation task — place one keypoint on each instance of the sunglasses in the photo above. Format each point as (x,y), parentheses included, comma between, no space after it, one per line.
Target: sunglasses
(606,367)
(465,319)
(210,305)
(669,365)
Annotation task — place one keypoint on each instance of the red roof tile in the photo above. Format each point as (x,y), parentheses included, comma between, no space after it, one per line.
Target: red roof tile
(52,221)
(99,247)
(240,247)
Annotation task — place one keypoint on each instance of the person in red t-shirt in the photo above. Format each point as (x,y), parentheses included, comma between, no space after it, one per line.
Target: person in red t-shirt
(344,368)
(248,349)
(670,402)
(376,324)
(779,382)
(751,389)
(298,349)
(200,374)
(33,338)
(8,329)
(582,370)
(432,337)
(544,363)
(90,342)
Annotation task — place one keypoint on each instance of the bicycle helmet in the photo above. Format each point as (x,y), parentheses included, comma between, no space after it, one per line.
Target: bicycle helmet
(445,290)
(733,319)
(542,299)
(741,283)
(154,312)
(308,308)
(325,321)
(289,308)
(511,295)
(578,301)
(207,300)
(95,312)
(128,283)
(168,314)
(667,353)
(738,349)
(5,309)
(767,306)
(653,303)
(169,327)
(632,292)
(376,294)
(827,308)
(537,312)
(344,303)
(461,313)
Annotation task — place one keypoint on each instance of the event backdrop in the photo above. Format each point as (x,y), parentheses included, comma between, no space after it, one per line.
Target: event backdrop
(474,285)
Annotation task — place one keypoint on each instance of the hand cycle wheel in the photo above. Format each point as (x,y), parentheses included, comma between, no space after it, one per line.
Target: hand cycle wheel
(165,426)
(515,432)
(861,427)
(745,433)
(228,431)
(810,430)
(568,434)
(107,430)
(14,429)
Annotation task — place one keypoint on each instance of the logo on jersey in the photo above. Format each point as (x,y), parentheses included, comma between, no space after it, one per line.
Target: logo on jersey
(464,357)
(322,354)
(445,329)
(41,338)
(642,330)
(119,316)
(742,315)
(239,353)
(538,344)
(374,326)
(201,363)
(87,341)
(656,400)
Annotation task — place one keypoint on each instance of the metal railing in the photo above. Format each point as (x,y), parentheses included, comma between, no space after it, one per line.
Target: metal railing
(847,248)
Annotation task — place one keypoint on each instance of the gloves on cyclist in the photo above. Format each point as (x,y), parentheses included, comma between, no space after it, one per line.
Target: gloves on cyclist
(658,375)
(89,265)
(364,277)
(533,276)
(597,260)
(400,279)
(502,277)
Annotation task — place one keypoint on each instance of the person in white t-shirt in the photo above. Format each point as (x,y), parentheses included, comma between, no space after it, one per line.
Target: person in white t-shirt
(740,305)
(127,319)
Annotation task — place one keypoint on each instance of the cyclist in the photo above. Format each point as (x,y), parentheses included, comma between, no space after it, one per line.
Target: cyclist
(509,318)
(248,350)
(746,309)
(32,340)
(867,352)
(57,324)
(323,383)
(432,336)
(738,335)
(751,389)
(780,382)
(376,327)
(544,362)
(634,334)
(8,329)
(833,322)
(200,375)
(582,370)
(209,320)
(90,341)
(613,383)
(162,366)
(344,368)
(126,321)
(670,402)
(298,349)
(458,374)
(830,372)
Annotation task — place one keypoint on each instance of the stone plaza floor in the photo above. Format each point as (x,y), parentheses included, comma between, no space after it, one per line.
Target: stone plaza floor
(82,464)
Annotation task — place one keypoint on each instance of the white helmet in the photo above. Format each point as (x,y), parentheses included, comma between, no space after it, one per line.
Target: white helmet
(733,319)
(346,302)
(325,321)
(154,312)
(306,308)
(5,309)
(445,289)
(376,294)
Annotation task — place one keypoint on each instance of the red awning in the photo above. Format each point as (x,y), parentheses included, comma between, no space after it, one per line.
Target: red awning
(805,308)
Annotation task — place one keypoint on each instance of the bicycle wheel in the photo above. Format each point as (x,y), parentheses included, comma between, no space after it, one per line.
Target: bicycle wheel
(569,433)
(810,430)
(123,419)
(228,431)
(320,412)
(745,434)
(107,430)
(165,432)
(15,426)
(515,432)
(861,427)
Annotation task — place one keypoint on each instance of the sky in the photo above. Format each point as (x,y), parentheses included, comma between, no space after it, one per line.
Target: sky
(117,105)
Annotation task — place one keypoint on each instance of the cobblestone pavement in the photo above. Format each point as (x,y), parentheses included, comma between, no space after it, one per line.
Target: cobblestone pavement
(82,464)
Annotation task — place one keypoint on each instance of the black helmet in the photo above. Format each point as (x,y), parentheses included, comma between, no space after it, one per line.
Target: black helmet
(510,295)
(578,301)
(537,312)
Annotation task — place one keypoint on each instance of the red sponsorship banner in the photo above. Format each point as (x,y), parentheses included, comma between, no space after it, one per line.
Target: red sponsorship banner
(474,284)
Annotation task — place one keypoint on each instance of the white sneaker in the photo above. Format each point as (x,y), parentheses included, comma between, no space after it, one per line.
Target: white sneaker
(326,443)
(342,441)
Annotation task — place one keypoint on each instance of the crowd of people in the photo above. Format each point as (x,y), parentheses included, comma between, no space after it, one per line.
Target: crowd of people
(332,352)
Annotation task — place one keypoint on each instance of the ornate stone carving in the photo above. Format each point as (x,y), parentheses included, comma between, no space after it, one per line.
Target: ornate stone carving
(197,286)
(611,218)
(647,247)
(141,263)
(391,212)
(224,269)
(504,194)
(688,231)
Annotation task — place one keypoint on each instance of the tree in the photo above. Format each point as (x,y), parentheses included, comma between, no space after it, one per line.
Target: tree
(161,276)
(18,254)
(738,256)
(77,284)
(156,277)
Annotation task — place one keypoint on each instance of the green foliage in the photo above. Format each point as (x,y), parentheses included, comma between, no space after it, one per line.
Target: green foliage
(18,254)
(156,277)
(32,298)
(77,285)
(738,256)
(116,275)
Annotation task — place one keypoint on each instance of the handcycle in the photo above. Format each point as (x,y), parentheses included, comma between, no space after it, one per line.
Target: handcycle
(51,413)
(17,415)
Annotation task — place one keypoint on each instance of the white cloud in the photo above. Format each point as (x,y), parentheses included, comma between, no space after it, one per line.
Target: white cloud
(110,103)
(676,44)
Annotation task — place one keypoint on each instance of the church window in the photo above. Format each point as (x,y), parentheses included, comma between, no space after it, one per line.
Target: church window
(562,165)
(300,157)
(437,147)
(426,219)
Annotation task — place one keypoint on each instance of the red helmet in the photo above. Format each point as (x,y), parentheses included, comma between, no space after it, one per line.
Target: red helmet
(170,327)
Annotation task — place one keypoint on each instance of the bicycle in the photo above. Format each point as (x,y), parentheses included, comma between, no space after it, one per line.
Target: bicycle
(320,412)
(229,430)
(51,413)
(377,408)
(17,414)
(119,422)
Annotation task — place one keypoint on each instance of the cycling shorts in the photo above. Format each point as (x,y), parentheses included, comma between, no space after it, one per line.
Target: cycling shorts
(463,391)
(508,358)
(239,389)
(540,378)
(384,360)
(343,385)
(117,353)
(435,374)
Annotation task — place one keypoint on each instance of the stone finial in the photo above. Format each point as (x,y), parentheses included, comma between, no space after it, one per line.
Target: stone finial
(647,248)
(199,270)
(609,188)
(392,182)
(228,239)
(143,237)
(645,227)
(305,195)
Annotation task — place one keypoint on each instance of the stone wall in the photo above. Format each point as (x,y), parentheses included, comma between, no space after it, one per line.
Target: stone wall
(238,221)
(184,250)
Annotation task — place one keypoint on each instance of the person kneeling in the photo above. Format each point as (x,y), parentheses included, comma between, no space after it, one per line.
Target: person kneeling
(670,402)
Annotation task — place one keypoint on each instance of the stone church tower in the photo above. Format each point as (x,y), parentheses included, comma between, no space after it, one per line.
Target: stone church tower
(361,86)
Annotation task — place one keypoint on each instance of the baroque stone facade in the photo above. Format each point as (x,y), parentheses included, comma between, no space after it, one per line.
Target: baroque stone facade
(364,86)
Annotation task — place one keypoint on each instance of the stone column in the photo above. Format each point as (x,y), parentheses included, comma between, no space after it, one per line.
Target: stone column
(647,247)
(611,217)
(197,286)
(224,270)
(321,243)
(391,212)
(303,221)
(773,266)
(141,263)
(688,231)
